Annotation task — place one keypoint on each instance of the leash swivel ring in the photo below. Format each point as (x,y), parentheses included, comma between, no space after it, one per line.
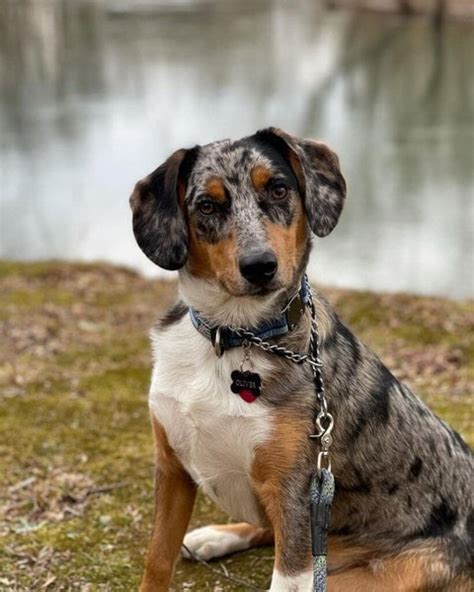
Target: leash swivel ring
(324,461)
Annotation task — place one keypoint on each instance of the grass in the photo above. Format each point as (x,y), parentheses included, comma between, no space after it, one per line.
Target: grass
(75,454)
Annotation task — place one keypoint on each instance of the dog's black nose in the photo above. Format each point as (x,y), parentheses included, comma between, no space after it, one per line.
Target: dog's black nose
(259,267)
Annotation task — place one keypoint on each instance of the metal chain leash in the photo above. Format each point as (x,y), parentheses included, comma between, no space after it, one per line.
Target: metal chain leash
(273,348)
(324,420)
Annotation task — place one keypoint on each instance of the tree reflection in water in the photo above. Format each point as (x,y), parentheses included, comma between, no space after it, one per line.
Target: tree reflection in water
(96,94)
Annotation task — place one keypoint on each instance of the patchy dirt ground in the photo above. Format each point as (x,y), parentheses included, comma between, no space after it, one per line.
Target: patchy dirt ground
(75,449)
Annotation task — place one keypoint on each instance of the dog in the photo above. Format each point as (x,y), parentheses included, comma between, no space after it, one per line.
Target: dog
(236,218)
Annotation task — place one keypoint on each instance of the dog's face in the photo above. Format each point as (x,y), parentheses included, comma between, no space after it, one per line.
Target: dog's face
(239,214)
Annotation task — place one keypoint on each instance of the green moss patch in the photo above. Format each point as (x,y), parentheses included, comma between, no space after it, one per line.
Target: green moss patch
(76,461)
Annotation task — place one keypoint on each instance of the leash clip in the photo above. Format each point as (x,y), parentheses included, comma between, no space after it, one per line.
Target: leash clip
(325,439)
(324,432)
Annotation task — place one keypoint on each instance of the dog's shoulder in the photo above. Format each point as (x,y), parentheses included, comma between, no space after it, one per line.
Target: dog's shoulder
(171,330)
(173,338)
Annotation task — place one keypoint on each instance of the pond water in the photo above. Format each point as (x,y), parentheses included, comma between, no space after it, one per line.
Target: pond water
(94,95)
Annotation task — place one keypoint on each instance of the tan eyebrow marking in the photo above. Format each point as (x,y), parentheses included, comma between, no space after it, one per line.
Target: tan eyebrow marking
(260,176)
(215,189)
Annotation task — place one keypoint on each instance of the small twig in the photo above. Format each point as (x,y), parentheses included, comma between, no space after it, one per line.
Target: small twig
(20,555)
(223,573)
(22,484)
(106,488)
(225,570)
(72,511)
(49,580)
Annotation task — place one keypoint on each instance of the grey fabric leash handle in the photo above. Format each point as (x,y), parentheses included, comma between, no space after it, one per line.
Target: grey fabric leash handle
(321,496)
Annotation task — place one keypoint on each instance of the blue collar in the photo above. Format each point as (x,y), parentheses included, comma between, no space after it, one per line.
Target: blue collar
(223,337)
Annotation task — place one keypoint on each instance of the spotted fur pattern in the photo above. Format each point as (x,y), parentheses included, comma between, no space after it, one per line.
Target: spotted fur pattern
(402,516)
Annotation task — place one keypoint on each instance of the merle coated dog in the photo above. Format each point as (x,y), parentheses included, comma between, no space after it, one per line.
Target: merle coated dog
(236,219)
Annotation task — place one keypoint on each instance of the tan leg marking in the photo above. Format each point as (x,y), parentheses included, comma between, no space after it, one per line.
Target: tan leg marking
(174,499)
(394,575)
(273,461)
(411,571)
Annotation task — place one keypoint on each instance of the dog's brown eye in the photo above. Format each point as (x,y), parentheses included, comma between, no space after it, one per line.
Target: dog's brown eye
(207,207)
(279,191)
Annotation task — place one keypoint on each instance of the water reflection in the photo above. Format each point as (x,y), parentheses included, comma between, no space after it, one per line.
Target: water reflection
(96,94)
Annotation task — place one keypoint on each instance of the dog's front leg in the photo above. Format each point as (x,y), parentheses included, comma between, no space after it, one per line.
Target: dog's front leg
(288,513)
(281,475)
(175,493)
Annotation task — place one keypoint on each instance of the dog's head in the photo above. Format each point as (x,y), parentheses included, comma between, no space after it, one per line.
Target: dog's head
(239,214)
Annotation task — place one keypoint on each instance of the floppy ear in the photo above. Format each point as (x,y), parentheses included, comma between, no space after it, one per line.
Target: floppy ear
(317,171)
(158,221)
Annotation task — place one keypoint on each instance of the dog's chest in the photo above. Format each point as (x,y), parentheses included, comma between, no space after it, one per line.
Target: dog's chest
(214,432)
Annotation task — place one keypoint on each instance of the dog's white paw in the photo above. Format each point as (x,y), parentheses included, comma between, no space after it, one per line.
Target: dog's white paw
(209,542)
(302,582)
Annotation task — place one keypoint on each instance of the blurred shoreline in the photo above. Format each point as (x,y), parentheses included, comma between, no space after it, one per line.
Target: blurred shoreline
(460,10)
(439,9)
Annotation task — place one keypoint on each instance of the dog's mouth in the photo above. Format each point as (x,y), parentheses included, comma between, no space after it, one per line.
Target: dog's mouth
(254,290)
(261,291)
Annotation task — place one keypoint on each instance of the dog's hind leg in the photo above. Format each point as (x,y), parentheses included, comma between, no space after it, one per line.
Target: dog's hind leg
(419,570)
(214,541)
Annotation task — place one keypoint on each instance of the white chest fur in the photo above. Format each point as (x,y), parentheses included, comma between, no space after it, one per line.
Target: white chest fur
(212,430)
